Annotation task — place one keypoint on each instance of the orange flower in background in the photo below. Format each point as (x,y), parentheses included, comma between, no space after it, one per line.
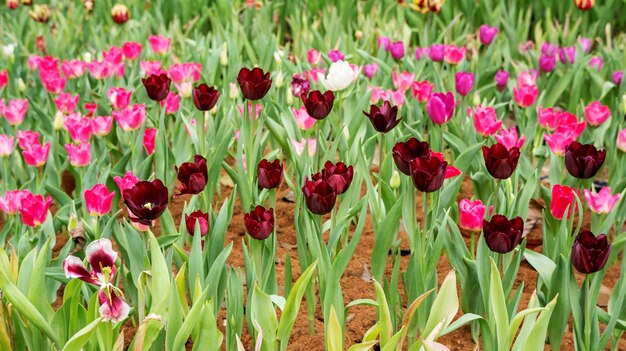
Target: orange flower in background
(425,6)
(584,4)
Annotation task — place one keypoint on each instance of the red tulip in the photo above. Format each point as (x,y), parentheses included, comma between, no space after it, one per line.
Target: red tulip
(254,83)
(157,86)
(500,161)
(503,235)
(590,253)
(383,118)
(405,152)
(259,222)
(146,201)
(192,176)
(205,97)
(197,216)
(338,176)
(562,199)
(318,105)
(583,160)
(428,173)
(319,195)
(269,175)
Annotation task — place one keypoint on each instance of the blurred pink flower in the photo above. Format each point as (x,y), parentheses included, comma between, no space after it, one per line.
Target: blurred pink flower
(402,81)
(101,125)
(131,50)
(596,113)
(257,109)
(370,69)
(80,128)
(567,54)
(602,202)
(502,79)
(396,49)
(303,119)
(559,140)
(395,96)
(183,75)
(586,43)
(150,67)
(4,79)
(422,90)
(6,145)
(377,94)
(98,200)
(66,103)
(463,82)
(99,69)
(596,62)
(34,209)
(131,118)
(129,180)
(171,103)
(149,135)
(454,54)
(26,138)
(73,68)
(509,138)
(621,140)
(487,34)
(436,52)
(617,77)
(547,62)
(79,155)
(300,145)
(159,44)
(11,202)
(525,95)
(485,120)
(314,57)
(119,97)
(336,55)
(15,111)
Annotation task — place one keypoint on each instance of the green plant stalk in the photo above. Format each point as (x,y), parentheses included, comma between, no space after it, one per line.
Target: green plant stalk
(381,154)
(587,314)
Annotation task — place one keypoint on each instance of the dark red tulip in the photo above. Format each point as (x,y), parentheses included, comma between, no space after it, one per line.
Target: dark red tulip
(157,86)
(405,152)
(259,222)
(269,175)
(500,161)
(503,235)
(254,83)
(300,85)
(202,219)
(583,160)
(318,105)
(205,97)
(146,201)
(338,176)
(192,175)
(428,173)
(590,253)
(383,118)
(319,195)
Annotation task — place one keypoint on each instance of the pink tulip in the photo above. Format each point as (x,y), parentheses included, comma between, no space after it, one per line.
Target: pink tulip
(73,68)
(4,79)
(119,97)
(6,145)
(255,113)
(336,55)
(15,111)
(377,94)
(471,215)
(596,62)
(129,180)
(436,52)
(596,113)
(149,135)
(101,125)
(11,202)
(150,67)
(440,107)
(402,81)
(562,199)
(395,96)
(586,43)
(79,155)
(617,77)
(502,79)
(112,307)
(370,69)
(397,50)
(527,78)
(383,42)
(34,209)
(549,49)
(99,69)
(66,103)
(299,146)
(26,138)
(91,108)
(602,202)
(47,63)
(525,95)
(98,200)
(547,63)
(567,54)
(313,73)
(559,141)
(420,52)
(463,82)
(422,90)
(52,81)
(184,75)
(314,57)
(80,128)
(171,103)
(621,140)
(36,155)
(509,138)
(485,120)
(131,118)
(159,44)
(454,54)
(303,119)
(131,50)
(487,34)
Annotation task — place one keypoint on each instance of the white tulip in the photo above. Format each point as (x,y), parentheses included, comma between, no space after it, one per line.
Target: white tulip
(8,50)
(340,76)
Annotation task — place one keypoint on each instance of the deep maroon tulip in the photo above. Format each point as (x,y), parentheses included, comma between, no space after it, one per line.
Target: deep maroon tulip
(405,152)
(259,222)
(157,86)
(254,83)
(269,175)
(428,173)
(319,195)
(500,161)
(503,235)
(338,176)
(192,176)
(146,201)
(383,118)
(300,85)
(590,253)
(583,160)
(202,219)
(205,97)
(318,105)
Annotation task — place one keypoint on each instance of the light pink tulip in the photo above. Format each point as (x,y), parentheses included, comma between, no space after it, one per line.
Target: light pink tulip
(112,307)
(525,95)
(509,138)
(402,81)
(11,202)
(171,103)
(485,120)
(79,155)
(6,145)
(303,119)
(119,97)
(621,140)
(602,202)
(159,44)
(131,118)
(66,103)
(596,113)
(422,90)
(35,154)
(129,180)
(73,69)
(15,111)
(471,215)
(101,125)
(80,128)
(150,67)
(310,144)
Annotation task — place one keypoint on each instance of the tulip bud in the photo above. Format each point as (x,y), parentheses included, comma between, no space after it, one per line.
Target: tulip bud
(119,13)
(40,13)
(394,182)
(87,57)
(21,86)
(476,98)
(12,4)
(358,35)
(279,56)
(58,120)
(233,93)
(223,55)
(73,222)
(280,79)
(289,97)
(624,103)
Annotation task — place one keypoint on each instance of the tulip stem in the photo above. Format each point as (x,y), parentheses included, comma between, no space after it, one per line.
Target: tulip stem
(381,153)
(587,314)
(318,148)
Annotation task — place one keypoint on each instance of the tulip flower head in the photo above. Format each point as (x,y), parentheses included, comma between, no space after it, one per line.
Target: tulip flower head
(320,197)
(589,252)
(502,79)
(79,155)
(405,152)
(487,34)
(338,176)
(34,209)
(157,86)
(584,5)
(402,81)
(269,174)
(149,136)
(254,84)
(454,54)
(602,202)
(384,118)
(119,97)
(509,138)
(464,82)
(621,140)
(15,111)
(11,202)
(428,172)
(199,217)
(6,145)
(98,200)
(422,90)
(120,13)
(503,235)
(500,161)
(596,113)
(259,222)
(300,85)
(485,120)
(583,160)
(159,44)
(440,107)
(205,97)
(303,119)
(340,75)
(146,201)
(131,118)
(471,215)
(131,50)
(192,176)
(562,200)
(318,105)
(128,181)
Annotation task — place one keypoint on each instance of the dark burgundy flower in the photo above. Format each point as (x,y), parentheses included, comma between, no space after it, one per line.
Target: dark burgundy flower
(405,152)
(300,85)
(428,172)
(205,97)
(259,222)
(202,219)
(192,175)
(254,83)
(319,195)
(269,175)
(338,176)
(157,86)
(383,118)
(583,160)
(318,105)
(503,235)
(146,201)
(500,161)
(590,253)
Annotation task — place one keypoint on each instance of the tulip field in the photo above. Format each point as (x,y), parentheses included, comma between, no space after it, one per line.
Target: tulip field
(274,175)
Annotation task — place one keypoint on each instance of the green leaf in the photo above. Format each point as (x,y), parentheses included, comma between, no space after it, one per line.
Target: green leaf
(537,336)
(384,315)
(78,340)
(334,332)
(264,313)
(445,306)
(160,278)
(190,322)
(497,310)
